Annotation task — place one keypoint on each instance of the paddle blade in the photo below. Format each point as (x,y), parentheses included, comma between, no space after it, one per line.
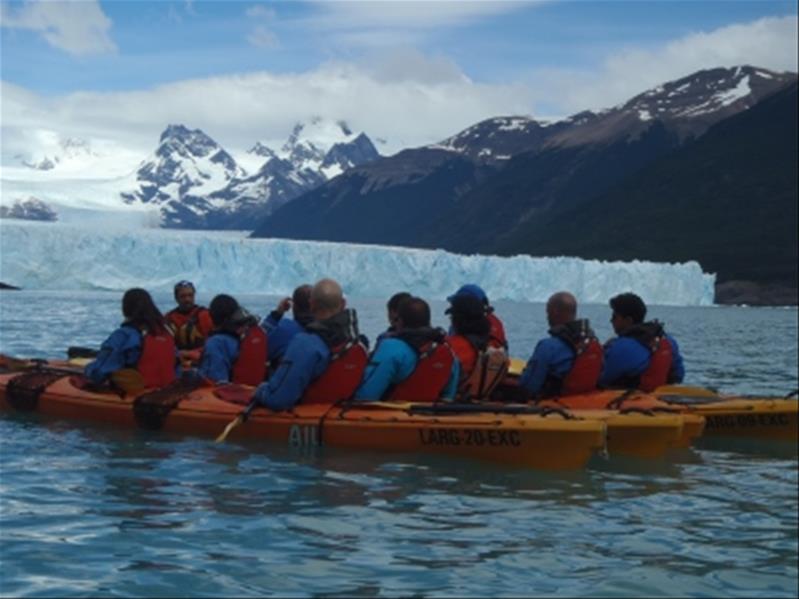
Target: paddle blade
(685,390)
(231,425)
(516,366)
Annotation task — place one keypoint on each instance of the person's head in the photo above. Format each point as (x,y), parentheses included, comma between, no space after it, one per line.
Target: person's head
(184,295)
(413,313)
(468,315)
(473,290)
(139,309)
(327,299)
(301,300)
(392,307)
(628,309)
(222,309)
(561,308)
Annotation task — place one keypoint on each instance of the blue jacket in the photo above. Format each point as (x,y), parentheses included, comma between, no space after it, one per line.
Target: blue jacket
(305,360)
(392,362)
(220,353)
(279,332)
(626,357)
(121,350)
(552,357)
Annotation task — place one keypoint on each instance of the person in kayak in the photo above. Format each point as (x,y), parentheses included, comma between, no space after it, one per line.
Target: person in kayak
(190,323)
(236,350)
(642,356)
(279,330)
(323,363)
(497,337)
(567,362)
(414,364)
(141,352)
(482,366)
(392,311)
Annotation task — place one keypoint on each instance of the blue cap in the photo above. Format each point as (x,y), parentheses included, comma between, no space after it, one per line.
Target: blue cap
(471,289)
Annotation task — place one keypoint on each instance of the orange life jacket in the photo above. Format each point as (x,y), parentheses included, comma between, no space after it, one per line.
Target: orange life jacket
(342,376)
(428,379)
(157,361)
(660,362)
(250,367)
(191,329)
(490,368)
(585,371)
(496,334)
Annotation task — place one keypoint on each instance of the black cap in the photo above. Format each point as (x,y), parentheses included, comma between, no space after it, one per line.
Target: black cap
(466,305)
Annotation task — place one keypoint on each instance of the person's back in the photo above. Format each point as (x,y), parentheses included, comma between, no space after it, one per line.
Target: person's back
(482,364)
(141,346)
(569,361)
(413,364)
(392,313)
(236,350)
(642,356)
(496,333)
(322,364)
(280,330)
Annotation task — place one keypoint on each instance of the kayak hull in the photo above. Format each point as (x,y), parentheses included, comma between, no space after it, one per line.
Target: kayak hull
(549,442)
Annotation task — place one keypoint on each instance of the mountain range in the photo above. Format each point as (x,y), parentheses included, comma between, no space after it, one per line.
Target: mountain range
(196,184)
(513,185)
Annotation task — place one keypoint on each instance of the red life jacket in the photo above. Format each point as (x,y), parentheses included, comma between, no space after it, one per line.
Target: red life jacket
(427,381)
(496,334)
(250,367)
(657,373)
(342,376)
(157,361)
(190,329)
(585,371)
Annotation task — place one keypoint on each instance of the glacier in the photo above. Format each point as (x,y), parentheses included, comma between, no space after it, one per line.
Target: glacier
(58,256)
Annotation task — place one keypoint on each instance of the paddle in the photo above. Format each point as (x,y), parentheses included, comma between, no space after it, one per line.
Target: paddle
(516,366)
(74,351)
(443,409)
(242,417)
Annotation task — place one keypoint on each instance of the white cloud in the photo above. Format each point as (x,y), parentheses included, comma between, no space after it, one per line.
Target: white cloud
(406,13)
(769,43)
(406,106)
(261,37)
(78,27)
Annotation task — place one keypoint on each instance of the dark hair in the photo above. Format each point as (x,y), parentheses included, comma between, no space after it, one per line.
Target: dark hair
(301,299)
(140,311)
(414,313)
(222,307)
(629,305)
(182,285)
(397,299)
(469,316)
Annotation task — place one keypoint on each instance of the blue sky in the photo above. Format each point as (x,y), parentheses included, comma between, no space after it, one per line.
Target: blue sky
(411,72)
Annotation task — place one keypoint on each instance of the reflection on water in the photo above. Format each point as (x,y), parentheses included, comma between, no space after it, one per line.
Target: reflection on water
(90,510)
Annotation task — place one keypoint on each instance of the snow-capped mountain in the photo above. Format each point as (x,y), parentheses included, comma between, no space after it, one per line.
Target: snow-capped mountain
(29,209)
(497,186)
(56,151)
(197,184)
(686,107)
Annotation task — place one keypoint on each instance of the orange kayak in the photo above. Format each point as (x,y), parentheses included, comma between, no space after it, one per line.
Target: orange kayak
(550,441)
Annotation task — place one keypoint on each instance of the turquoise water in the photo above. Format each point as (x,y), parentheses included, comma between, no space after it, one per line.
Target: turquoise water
(87,510)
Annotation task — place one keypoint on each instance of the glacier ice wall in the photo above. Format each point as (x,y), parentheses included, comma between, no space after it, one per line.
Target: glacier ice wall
(68,257)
